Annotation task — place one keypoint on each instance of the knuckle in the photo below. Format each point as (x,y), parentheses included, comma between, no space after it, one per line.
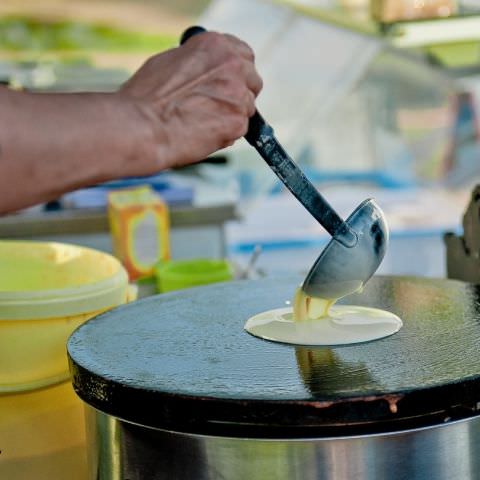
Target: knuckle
(228,86)
(237,87)
(241,95)
(239,126)
(260,83)
(250,53)
(210,40)
(232,86)
(234,64)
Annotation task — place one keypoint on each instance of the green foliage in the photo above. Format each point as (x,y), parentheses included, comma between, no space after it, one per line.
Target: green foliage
(28,34)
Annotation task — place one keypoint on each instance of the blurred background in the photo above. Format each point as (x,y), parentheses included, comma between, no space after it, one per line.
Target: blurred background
(373,98)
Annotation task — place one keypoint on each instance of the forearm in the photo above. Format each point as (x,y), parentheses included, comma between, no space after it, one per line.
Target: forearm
(53,143)
(178,108)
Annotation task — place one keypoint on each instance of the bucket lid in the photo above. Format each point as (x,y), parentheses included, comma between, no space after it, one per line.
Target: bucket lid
(182,361)
(47,280)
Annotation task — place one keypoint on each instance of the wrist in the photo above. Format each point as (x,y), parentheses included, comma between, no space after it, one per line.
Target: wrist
(146,136)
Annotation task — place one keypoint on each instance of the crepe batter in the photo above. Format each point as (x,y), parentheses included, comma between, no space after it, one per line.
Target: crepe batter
(315,321)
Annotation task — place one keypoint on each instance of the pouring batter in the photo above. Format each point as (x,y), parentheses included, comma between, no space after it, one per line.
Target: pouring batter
(316,321)
(337,273)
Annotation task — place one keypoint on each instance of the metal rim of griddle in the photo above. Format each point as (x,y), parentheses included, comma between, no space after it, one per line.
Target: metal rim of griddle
(312,415)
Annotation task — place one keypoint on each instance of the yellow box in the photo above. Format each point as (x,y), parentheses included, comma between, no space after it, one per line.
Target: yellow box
(139,224)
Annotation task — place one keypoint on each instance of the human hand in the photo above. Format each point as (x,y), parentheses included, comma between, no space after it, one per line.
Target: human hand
(196,99)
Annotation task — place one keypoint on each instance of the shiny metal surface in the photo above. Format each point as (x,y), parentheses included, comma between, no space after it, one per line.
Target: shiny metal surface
(339,270)
(121,450)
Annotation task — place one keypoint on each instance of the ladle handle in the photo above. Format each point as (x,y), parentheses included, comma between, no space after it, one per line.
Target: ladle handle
(261,136)
(191,32)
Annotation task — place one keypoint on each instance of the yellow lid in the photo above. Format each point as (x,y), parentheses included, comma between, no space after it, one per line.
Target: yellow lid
(46,280)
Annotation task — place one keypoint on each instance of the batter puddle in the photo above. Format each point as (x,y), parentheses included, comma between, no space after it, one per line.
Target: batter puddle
(314,321)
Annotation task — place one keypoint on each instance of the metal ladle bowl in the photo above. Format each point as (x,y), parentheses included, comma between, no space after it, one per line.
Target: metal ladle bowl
(340,270)
(358,244)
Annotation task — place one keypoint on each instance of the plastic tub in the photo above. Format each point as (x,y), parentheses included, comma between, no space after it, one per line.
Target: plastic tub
(180,274)
(42,435)
(46,291)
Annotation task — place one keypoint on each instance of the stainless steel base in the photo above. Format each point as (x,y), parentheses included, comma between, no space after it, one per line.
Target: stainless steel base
(122,451)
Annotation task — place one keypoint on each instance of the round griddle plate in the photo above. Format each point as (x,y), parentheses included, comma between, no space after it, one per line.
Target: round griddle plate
(182,361)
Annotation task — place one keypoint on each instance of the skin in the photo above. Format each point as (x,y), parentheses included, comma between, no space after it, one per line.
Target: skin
(180,107)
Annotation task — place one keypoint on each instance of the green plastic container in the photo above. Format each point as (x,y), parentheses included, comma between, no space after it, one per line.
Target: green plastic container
(180,274)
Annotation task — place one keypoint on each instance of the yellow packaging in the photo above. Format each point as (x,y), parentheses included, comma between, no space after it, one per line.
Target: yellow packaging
(139,224)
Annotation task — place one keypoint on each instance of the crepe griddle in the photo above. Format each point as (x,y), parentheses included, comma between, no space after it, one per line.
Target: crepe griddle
(182,361)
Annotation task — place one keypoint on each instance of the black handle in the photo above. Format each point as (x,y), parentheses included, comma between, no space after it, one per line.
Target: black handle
(191,32)
(261,136)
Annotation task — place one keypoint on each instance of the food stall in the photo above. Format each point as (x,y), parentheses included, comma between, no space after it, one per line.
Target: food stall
(98,383)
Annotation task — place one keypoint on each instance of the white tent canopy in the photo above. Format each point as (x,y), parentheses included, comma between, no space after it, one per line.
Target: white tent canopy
(336,98)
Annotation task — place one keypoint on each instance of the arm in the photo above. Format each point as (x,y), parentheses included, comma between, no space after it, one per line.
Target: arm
(180,107)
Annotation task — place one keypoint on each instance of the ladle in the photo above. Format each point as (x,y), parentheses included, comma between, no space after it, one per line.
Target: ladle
(358,245)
